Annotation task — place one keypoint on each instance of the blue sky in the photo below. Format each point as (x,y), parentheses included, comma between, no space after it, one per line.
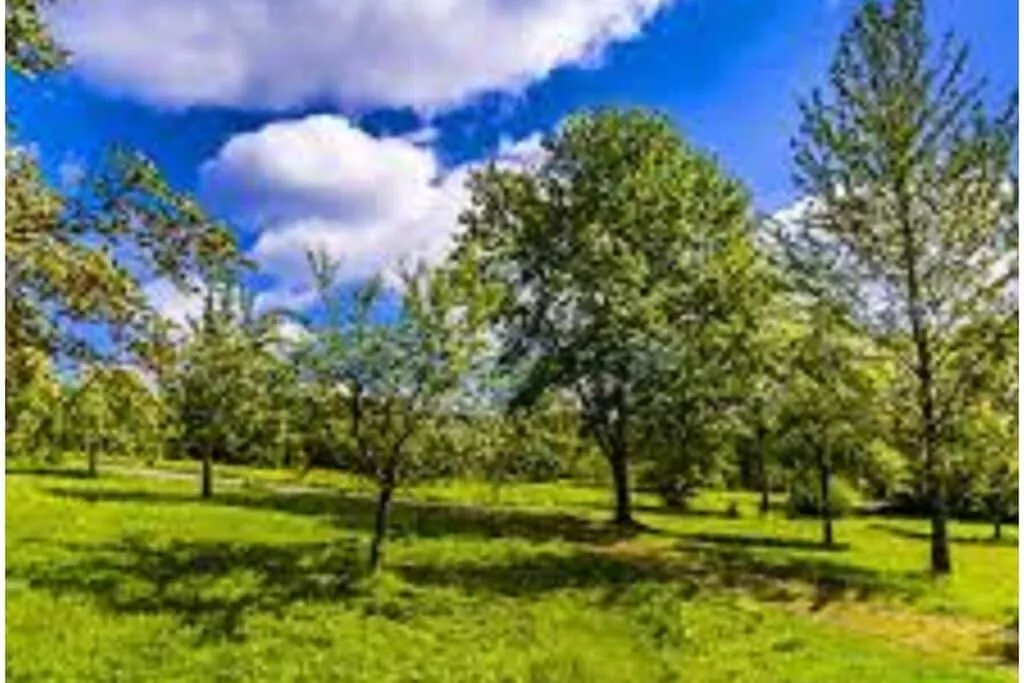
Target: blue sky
(357,128)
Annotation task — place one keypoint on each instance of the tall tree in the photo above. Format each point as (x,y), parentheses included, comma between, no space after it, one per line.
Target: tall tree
(615,247)
(76,260)
(911,218)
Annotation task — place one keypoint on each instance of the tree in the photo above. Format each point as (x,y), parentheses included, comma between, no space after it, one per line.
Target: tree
(911,218)
(110,410)
(825,409)
(986,460)
(763,363)
(228,391)
(32,404)
(76,260)
(623,241)
(393,382)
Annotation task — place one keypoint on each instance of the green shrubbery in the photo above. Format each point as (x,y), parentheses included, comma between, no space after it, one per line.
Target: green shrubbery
(804,498)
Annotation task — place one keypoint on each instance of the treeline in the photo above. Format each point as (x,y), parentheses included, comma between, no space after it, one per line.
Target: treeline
(616,310)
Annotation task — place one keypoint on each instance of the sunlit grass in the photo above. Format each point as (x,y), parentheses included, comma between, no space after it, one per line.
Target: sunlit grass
(126,578)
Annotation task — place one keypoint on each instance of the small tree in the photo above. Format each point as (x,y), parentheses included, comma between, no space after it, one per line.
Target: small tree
(393,382)
(912,214)
(225,388)
(110,410)
(985,459)
(825,413)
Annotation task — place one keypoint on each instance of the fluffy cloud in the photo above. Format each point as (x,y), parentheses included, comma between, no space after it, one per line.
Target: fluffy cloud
(321,183)
(282,53)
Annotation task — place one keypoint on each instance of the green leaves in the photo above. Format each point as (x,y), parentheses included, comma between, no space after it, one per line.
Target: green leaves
(620,265)
(393,382)
(80,259)
(30,48)
(912,216)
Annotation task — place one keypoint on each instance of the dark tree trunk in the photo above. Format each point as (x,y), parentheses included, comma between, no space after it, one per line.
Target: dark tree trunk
(762,470)
(934,472)
(826,502)
(941,563)
(93,465)
(997,528)
(620,475)
(207,478)
(940,559)
(380,527)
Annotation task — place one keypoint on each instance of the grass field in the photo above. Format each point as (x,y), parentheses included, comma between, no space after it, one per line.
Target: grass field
(134,579)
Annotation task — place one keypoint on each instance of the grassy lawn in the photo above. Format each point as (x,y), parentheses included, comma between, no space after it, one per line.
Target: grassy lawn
(132,579)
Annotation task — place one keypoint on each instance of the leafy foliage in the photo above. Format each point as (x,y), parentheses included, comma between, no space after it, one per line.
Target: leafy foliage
(621,244)
(395,384)
(912,220)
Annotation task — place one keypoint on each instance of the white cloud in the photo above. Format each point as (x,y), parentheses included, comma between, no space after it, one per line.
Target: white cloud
(320,183)
(173,303)
(283,53)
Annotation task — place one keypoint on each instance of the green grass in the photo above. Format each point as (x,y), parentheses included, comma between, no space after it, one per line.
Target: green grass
(127,579)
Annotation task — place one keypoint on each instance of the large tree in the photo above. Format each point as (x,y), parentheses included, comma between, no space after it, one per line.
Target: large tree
(911,218)
(77,258)
(616,256)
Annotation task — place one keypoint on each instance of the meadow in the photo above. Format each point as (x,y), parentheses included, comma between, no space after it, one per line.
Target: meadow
(132,578)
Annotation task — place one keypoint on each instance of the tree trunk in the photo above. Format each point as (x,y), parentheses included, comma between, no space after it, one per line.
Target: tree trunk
(826,502)
(997,528)
(762,470)
(207,477)
(620,475)
(934,471)
(940,559)
(380,527)
(93,465)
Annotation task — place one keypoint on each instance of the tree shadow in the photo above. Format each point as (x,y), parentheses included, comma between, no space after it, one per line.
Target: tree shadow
(537,574)
(210,586)
(755,541)
(668,511)
(779,576)
(55,472)
(692,568)
(1006,541)
(408,518)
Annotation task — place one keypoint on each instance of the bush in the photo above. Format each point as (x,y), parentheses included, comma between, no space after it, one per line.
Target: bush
(805,497)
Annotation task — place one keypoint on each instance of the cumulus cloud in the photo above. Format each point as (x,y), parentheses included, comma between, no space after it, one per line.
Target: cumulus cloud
(279,54)
(321,183)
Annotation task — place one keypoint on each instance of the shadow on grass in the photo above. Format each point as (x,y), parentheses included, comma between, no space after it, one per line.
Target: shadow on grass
(1006,541)
(209,586)
(56,472)
(781,576)
(408,518)
(667,511)
(213,585)
(754,541)
(693,568)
